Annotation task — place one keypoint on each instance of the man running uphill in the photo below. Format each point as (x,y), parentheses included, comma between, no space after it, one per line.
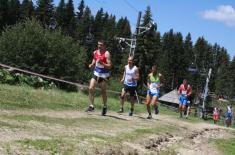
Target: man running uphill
(184,91)
(154,84)
(130,78)
(101,63)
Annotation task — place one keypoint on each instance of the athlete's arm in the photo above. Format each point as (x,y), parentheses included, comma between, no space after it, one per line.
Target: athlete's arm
(161,80)
(92,63)
(123,76)
(179,90)
(137,75)
(148,81)
(190,91)
(108,59)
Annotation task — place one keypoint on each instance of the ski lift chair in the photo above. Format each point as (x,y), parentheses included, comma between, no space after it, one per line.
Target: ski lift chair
(193,68)
(89,38)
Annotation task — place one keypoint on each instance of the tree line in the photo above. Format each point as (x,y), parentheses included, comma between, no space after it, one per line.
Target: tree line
(59,41)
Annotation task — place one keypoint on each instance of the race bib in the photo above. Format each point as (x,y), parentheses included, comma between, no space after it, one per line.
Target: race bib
(98,64)
(184,92)
(153,87)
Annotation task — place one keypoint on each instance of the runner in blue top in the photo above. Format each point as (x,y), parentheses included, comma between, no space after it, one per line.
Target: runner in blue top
(228,116)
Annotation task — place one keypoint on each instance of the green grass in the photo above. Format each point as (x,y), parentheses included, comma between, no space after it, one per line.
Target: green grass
(24,97)
(227,146)
(51,145)
(115,84)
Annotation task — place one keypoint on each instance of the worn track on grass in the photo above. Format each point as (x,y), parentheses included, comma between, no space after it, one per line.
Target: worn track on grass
(77,132)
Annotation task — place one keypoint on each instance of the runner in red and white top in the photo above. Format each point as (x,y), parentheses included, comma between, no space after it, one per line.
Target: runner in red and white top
(184,91)
(215,115)
(101,63)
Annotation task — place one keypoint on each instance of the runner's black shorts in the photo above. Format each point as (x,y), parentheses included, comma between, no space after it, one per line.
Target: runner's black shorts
(131,90)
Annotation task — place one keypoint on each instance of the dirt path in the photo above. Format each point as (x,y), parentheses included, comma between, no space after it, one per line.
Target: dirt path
(83,129)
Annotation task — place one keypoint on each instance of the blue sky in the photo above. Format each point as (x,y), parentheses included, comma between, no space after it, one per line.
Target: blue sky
(212,19)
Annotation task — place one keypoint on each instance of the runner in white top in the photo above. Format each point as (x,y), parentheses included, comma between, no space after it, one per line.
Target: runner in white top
(130,78)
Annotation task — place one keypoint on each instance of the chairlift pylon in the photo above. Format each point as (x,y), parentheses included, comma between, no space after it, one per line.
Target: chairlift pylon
(203,72)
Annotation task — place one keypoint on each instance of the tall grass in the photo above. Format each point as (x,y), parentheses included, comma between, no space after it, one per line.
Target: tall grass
(24,97)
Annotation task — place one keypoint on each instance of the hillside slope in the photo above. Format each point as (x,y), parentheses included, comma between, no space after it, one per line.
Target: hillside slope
(54,122)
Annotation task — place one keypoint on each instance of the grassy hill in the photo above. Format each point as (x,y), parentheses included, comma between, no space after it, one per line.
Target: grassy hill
(35,121)
(24,97)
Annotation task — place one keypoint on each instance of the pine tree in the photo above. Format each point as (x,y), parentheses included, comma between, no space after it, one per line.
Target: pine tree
(223,80)
(84,33)
(97,26)
(188,48)
(109,32)
(201,49)
(3,14)
(181,61)
(81,9)
(123,28)
(190,58)
(13,11)
(215,65)
(120,27)
(45,12)
(84,28)
(109,26)
(27,9)
(60,14)
(175,59)
(204,61)
(70,24)
(232,77)
(126,31)
(167,59)
(120,55)
(146,52)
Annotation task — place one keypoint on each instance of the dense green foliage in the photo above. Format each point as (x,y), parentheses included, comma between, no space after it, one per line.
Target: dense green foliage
(60,43)
(28,45)
(10,77)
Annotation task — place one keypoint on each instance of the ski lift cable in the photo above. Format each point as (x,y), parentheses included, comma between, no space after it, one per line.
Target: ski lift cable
(99,2)
(131,6)
(81,86)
